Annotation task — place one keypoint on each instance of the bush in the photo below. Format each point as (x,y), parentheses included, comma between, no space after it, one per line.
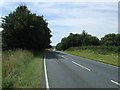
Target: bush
(98,49)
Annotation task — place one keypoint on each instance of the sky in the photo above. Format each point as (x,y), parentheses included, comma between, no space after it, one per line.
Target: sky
(96,18)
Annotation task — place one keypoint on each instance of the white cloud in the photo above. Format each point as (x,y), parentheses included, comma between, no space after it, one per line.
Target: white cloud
(61,0)
(96,18)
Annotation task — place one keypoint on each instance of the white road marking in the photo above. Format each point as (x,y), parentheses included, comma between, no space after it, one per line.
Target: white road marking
(61,56)
(115,82)
(46,76)
(81,66)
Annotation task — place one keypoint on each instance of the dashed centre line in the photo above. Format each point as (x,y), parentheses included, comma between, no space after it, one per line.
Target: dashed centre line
(62,56)
(115,82)
(81,66)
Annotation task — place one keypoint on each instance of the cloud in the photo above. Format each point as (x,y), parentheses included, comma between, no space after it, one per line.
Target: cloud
(96,18)
(60,0)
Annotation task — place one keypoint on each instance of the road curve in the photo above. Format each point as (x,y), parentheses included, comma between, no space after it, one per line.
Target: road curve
(69,71)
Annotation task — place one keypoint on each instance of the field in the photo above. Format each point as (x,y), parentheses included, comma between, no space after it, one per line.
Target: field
(21,69)
(108,55)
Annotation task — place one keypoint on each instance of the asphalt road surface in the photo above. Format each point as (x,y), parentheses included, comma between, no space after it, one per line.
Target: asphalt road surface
(69,71)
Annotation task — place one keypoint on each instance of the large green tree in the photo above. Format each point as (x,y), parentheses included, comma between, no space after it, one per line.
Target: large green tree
(74,40)
(25,30)
(111,40)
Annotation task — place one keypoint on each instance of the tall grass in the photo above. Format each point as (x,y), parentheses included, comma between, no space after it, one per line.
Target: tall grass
(0,70)
(13,62)
(19,69)
(31,77)
(0,60)
(98,49)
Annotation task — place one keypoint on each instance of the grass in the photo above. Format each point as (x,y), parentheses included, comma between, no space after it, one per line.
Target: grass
(107,58)
(0,70)
(0,60)
(103,50)
(21,69)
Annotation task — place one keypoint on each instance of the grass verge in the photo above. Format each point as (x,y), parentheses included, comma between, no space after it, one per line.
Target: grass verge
(108,59)
(0,70)
(21,69)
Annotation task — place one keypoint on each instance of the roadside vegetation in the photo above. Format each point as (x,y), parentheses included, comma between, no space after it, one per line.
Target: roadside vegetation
(0,61)
(25,36)
(21,69)
(0,70)
(106,50)
(97,53)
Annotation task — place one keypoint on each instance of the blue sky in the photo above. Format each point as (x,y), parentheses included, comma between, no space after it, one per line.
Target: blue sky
(96,18)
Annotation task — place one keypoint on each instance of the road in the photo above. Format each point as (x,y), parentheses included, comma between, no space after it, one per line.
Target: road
(68,71)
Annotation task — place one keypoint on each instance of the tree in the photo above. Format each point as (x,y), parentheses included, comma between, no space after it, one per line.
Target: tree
(111,40)
(58,46)
(118,40)
(22,29)
(74,40)
(64,43)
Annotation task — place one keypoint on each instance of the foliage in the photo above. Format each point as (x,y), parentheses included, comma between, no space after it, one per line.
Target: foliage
(74,40)
(111,40)
(13,62)
(25,30)
(21,69)
(104,50)
(84,39)
(58,47)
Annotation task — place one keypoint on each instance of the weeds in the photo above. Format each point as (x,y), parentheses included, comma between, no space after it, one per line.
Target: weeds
(18,67)
(98,49)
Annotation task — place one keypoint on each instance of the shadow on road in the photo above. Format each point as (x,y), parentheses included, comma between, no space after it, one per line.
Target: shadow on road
(54,55)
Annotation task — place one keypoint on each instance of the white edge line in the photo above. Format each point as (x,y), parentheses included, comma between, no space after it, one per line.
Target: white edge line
(115,82)
(81,66)
(46,76)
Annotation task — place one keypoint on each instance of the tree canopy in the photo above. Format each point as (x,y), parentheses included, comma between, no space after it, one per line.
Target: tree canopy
(74,40)
(25,30)
(84,39)
(111,40)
